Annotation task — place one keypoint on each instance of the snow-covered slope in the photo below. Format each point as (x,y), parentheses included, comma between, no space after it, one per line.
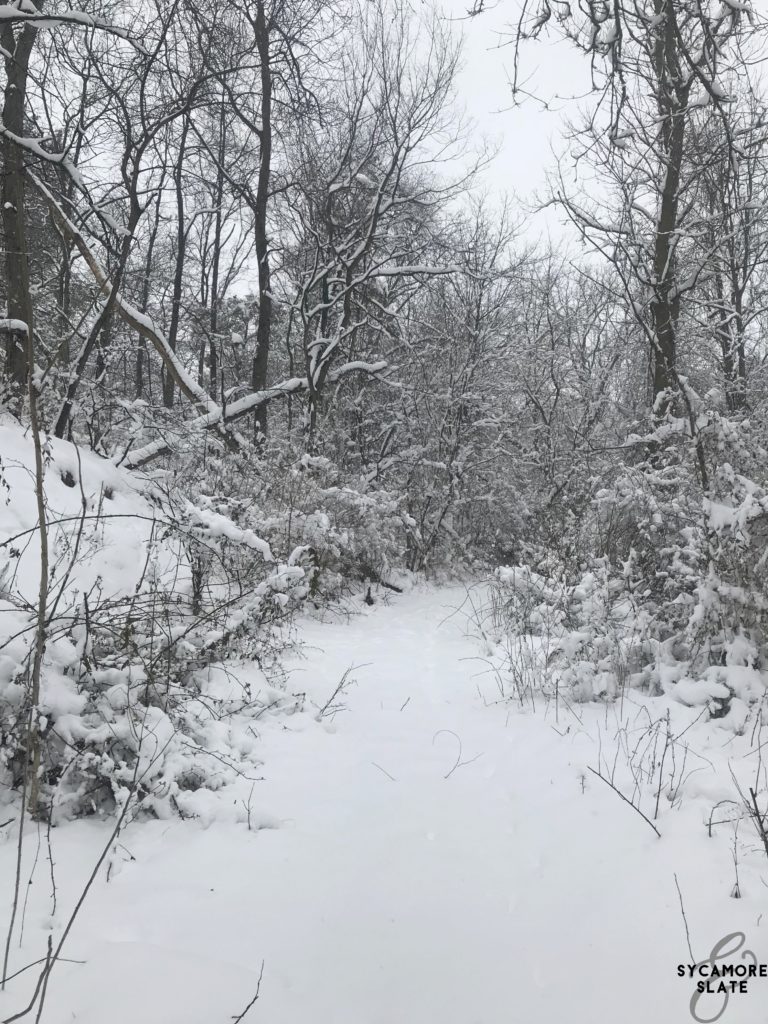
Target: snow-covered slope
(117,517)
(133,693)
(437,857)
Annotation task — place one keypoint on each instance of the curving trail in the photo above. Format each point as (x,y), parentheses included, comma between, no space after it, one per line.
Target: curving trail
(512,891)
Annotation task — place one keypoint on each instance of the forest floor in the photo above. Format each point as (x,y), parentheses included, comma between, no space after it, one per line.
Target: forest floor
(437,857)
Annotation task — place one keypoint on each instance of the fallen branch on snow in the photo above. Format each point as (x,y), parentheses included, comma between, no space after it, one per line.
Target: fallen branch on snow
(212,415)
(625,799)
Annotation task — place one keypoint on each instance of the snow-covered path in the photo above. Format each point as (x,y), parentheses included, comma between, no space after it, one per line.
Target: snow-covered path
(510,890)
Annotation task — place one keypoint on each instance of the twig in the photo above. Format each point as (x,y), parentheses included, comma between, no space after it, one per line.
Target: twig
(685,920)
(17,881)
(759,820)
(667,738)
(339,688)
(40,979)
(42,960)
(258,989)
(723,821)
(459,763)
(626,801)
(50,861)
(29,887)
(384,770)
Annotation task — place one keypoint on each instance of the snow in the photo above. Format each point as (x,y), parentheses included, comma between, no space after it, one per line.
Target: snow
(28,13)
(118,517)
(425,854)
(34,146)
(13,326)
(363,179)
(416,269)
(140,321)
(139,457)
(215,525)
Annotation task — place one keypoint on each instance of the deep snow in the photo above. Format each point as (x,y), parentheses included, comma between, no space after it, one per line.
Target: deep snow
(516,888)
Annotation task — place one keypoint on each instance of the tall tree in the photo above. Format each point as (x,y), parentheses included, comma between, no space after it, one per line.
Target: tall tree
(17,42)
(656,73)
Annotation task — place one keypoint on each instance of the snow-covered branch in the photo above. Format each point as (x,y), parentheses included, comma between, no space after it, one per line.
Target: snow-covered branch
(13,15)
(242,407)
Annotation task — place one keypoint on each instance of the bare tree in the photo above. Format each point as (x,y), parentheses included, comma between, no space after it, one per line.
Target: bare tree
(365,188)
(656,76)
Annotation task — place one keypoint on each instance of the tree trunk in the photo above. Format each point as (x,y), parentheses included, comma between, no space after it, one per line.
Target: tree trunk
(17,50)
(665,305)
(214,296)
(181,253)
(264,321)
(142,355)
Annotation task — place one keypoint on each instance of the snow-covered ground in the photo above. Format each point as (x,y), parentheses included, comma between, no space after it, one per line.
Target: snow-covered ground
(427,855)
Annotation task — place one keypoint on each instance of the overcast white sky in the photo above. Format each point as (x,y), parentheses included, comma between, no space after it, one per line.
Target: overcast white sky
(526,134)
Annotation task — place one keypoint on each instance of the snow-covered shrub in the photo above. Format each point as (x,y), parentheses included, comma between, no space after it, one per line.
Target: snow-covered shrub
(676,599)
(353,530)
(574,638)
(152,581)
(342,529)
(147,590)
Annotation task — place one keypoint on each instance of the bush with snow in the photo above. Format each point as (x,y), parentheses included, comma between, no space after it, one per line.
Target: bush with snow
(344,529)
(148,591)
(678,601)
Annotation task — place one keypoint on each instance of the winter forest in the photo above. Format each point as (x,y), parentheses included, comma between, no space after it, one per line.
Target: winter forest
(383,511)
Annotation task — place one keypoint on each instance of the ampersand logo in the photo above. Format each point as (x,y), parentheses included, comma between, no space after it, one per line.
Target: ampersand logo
(722,975)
